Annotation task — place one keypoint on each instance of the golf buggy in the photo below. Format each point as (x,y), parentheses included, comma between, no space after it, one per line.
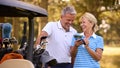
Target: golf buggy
(16,8)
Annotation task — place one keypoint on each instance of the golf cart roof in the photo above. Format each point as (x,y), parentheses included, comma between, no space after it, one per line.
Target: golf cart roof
(16,8)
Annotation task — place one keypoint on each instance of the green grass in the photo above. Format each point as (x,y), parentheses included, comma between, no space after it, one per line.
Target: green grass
(110,58)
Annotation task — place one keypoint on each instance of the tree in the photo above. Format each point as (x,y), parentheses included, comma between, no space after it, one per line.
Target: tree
(102,9)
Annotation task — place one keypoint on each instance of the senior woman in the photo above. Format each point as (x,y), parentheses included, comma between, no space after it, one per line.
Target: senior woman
(87,51)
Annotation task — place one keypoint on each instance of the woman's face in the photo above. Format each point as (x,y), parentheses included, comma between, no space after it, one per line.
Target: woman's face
(86,25)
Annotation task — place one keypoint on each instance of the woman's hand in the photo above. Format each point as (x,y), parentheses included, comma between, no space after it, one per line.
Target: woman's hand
(86,42)
(78,43)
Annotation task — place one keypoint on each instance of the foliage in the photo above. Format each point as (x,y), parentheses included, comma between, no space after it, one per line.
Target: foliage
(107,10)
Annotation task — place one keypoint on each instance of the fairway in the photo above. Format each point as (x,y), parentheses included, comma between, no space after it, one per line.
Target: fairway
(110,57)
(111,51)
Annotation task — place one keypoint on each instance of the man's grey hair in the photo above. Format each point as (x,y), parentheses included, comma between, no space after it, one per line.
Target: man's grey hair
(68,9)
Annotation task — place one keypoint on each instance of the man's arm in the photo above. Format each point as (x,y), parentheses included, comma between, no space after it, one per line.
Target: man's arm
(43,33)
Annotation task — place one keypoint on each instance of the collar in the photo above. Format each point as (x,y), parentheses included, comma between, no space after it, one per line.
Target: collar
(93,35)
(60,26)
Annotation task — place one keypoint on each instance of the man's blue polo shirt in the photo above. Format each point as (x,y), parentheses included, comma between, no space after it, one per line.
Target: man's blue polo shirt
(83,58)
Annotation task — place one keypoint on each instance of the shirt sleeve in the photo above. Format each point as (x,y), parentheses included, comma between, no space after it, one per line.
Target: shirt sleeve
(73,41)
(100,43)
(48,28)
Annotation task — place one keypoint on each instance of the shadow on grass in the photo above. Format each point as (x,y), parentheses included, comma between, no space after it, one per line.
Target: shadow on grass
(112,61)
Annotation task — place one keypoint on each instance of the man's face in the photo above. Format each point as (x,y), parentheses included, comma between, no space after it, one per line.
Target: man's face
(67,21)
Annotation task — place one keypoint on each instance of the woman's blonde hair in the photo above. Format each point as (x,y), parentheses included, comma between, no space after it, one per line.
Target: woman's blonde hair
(92,19)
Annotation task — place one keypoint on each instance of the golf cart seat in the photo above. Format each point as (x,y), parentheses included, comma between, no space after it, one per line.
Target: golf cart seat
(17,63)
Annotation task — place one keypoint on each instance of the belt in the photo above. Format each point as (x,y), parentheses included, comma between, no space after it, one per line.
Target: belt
(63,63)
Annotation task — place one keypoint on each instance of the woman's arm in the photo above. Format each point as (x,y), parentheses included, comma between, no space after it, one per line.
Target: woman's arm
(97,55)
(74,49)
